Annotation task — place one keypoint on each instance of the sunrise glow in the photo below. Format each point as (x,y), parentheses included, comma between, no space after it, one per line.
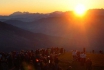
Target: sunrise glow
(80,10)
(46,6)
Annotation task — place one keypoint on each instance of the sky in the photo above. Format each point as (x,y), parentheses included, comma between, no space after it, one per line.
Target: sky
(46,6)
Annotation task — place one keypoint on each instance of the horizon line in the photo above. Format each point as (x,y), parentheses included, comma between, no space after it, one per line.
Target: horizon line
(25,12)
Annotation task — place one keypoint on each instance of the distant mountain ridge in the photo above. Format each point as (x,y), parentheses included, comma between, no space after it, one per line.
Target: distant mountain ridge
(18,13)
(30,17)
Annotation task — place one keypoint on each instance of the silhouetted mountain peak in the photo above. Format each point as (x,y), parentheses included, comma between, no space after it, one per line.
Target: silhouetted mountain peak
(16,13)
(19,13)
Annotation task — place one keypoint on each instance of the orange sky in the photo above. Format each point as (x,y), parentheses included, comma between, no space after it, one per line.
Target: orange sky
(45,6)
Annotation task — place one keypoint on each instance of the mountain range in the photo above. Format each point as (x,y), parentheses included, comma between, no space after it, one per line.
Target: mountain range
(62,29)
(14,38)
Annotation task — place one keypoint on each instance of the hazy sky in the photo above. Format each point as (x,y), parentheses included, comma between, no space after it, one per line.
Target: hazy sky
(45,6)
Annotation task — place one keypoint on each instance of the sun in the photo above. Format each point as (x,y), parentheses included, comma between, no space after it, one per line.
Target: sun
(80,10)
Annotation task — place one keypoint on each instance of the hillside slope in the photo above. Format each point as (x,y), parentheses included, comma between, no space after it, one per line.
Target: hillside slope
(14,38)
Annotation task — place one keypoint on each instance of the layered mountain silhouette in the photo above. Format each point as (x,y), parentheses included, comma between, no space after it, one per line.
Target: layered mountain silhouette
(54,26)
(14,38)
(71,31)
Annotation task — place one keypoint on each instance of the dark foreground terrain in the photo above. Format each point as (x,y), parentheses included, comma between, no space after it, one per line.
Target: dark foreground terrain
(47,59)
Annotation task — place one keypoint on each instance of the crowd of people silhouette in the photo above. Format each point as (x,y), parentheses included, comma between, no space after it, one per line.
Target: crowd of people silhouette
(40,59)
